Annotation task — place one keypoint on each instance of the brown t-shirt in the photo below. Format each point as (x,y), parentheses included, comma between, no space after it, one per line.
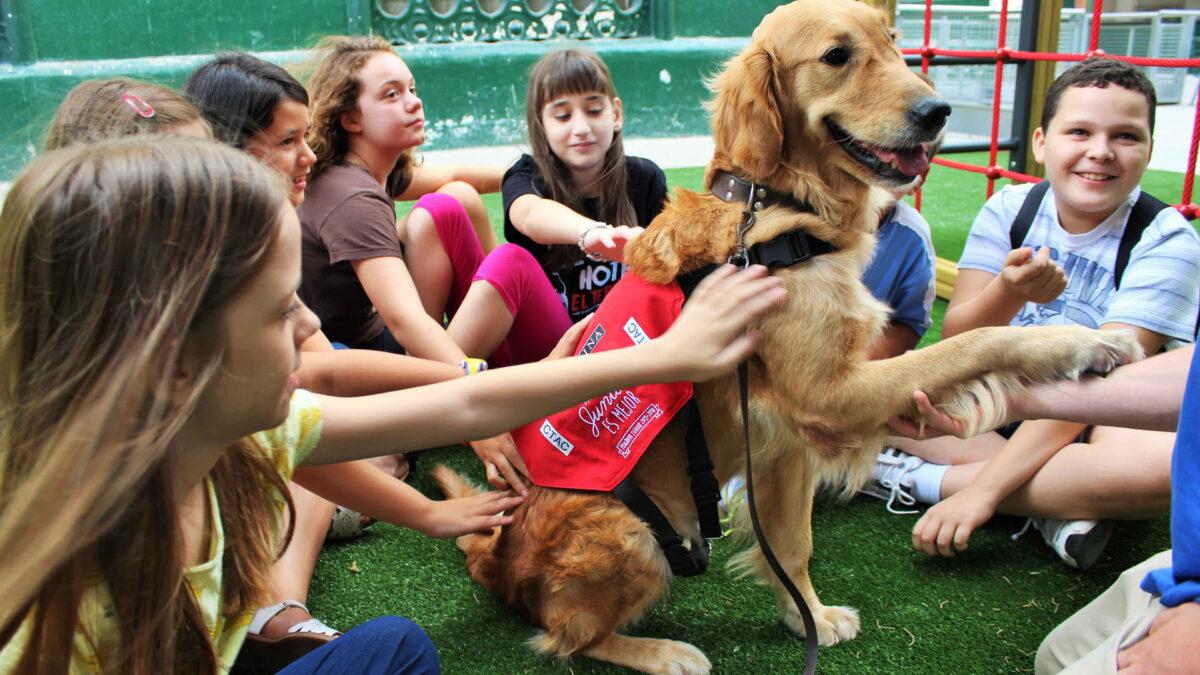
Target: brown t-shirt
(345,216)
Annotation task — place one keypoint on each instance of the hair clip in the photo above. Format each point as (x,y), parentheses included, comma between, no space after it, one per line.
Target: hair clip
(141,107)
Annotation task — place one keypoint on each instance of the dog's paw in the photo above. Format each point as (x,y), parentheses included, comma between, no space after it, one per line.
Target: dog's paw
(1107,349)
(1070,351)
(680,658)
(834,624)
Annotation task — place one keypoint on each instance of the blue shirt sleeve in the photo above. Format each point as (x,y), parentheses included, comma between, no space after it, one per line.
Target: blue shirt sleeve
(902,271)
(1180,583)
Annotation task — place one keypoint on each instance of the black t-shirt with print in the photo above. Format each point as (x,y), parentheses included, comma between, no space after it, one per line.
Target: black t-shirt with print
(582,285)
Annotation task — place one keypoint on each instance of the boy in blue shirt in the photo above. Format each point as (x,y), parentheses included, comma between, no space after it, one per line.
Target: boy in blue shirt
(1095,143)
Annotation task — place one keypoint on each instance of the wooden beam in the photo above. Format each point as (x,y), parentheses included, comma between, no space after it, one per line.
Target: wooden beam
(1049,17)
(947,274)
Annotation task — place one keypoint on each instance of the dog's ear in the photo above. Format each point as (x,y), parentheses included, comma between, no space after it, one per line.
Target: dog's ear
(746,121)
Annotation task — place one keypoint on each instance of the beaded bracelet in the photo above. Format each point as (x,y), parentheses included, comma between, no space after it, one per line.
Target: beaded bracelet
(583,232)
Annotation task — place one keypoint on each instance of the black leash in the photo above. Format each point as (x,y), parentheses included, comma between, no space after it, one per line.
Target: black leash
(810,625)
(788,249)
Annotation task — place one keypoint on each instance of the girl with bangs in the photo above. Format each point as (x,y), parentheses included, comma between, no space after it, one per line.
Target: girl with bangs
(577,200)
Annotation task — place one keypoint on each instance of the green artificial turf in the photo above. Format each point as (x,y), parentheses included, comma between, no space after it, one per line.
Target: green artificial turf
(984,611)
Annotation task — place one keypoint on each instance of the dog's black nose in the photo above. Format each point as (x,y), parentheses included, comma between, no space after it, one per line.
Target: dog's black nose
(930,113)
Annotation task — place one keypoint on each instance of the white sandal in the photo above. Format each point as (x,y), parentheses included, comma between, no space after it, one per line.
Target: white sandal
(273,654)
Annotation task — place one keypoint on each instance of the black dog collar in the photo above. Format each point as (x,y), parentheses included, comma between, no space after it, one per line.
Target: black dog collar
(789,248)
(755,197)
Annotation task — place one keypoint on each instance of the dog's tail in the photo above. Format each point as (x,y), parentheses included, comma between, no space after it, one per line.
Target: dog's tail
(455,486)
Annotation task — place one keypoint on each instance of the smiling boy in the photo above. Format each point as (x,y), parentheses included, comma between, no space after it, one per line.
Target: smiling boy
(1095,142)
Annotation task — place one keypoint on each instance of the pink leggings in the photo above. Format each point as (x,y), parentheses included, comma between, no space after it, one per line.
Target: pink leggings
(539,316)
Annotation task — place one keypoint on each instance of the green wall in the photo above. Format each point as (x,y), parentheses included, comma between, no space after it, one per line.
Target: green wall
(473,92)
(720,18)
(41,30)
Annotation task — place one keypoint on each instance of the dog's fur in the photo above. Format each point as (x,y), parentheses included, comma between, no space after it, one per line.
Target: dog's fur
(579,564)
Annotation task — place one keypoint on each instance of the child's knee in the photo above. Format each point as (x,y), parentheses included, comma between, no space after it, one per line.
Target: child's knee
(515,257)
(509,266)
(441,213)
(465,193)
(413,651)
(440,206)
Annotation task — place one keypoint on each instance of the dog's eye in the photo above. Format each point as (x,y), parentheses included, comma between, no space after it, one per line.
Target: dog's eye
(836,56)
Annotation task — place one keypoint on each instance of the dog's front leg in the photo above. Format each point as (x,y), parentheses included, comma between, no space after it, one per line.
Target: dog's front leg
(971,375)
(783,497)
(968,376)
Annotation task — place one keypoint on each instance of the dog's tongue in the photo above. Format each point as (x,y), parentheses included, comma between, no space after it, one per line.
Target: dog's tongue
(912,162)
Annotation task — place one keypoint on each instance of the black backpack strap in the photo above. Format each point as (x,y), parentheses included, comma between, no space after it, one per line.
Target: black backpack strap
(1144,211)
(1029,209)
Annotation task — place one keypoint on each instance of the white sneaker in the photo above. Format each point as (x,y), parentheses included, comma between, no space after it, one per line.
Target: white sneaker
(890,479)
(1078,542)
(733,495)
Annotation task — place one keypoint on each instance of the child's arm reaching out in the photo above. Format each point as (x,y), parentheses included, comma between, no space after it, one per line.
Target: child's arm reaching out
(708,339)
(549,222)
(380,496)
(425,179)
(947,525)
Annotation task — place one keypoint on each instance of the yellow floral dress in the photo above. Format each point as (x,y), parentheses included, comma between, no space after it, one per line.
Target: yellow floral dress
(96,636)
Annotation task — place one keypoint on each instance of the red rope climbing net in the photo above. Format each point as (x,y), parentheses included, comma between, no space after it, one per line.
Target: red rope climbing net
(1004,54)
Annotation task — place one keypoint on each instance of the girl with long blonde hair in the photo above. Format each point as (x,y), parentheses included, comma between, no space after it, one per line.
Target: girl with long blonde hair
(149,333)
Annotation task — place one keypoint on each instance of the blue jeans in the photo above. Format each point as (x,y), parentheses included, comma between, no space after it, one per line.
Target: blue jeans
(389,645)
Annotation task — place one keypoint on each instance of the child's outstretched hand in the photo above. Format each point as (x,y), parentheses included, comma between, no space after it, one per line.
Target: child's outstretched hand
(504,466)
(1036,278)
(466,515)
(610,241)
(936,422)
(710,336)
(945,528)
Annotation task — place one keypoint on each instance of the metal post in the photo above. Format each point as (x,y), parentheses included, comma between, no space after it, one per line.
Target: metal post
(1039,33)
(662,16)
(1023,92)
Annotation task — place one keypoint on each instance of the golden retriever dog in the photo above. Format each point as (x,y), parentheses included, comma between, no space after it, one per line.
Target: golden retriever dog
(820,107)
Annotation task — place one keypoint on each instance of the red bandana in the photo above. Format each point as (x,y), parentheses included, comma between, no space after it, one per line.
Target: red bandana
(594,445)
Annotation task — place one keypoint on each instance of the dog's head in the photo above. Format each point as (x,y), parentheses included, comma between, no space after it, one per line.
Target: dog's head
(823,92)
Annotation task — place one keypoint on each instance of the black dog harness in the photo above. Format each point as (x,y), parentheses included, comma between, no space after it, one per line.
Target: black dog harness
(786,250)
